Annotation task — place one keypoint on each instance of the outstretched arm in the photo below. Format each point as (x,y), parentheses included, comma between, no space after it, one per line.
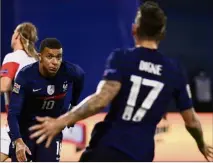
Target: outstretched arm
(183,98)
(193,126)
(91,105)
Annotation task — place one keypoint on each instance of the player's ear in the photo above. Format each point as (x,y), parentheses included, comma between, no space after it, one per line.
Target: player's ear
(39,56)
(134,29)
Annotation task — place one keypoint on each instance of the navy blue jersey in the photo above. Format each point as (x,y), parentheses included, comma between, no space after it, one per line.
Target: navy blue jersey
(34,95)
(149,82)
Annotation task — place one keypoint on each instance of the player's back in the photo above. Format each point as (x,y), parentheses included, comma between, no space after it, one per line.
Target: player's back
(15,61)
(149,82)
(12,64)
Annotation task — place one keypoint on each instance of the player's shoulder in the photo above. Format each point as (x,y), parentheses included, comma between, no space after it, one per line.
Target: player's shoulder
(72,68)
(118,52)
(29,69)
(117,55)
(122,53)
(15,56)
(126,54)
(173,64)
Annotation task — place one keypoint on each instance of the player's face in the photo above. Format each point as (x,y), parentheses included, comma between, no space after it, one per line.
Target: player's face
(51,60)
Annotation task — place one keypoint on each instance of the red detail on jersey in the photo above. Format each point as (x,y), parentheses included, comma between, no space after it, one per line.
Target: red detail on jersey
(55,97)
(9,69)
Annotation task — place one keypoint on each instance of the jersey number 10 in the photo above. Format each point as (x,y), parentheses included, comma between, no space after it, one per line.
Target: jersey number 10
(148,101)
(48,104)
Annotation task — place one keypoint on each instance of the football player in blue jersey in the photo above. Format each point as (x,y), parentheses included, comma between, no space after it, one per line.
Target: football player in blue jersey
(40,90)
(139,83)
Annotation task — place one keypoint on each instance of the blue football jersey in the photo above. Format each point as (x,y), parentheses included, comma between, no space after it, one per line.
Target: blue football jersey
(34,95)
(149,81)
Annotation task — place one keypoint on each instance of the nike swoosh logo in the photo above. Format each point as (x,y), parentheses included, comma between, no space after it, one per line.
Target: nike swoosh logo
(35,90)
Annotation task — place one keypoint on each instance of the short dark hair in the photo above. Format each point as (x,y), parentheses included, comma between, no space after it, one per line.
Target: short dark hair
(51,43)
(152,22)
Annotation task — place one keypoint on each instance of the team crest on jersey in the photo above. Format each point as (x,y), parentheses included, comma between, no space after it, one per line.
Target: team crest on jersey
(50,89)
(16,88)
(65,86)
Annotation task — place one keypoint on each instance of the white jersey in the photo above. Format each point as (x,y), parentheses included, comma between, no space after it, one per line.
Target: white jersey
(12,64)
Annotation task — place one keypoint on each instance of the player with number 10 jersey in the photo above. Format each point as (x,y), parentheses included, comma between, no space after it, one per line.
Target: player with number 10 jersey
(40,90)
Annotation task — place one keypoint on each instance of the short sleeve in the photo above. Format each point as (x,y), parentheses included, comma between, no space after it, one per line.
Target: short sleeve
(182,94)
(112,68)
(9,68)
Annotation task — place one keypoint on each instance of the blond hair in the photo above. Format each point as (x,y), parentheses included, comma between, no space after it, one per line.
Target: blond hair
(28,38)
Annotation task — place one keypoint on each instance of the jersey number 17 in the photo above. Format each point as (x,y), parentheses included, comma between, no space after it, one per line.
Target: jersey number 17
(148,101)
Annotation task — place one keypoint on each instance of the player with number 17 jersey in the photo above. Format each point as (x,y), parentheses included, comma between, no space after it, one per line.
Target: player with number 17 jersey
(149,82)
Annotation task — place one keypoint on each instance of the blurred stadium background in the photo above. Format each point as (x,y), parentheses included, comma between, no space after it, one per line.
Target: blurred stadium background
(90,29)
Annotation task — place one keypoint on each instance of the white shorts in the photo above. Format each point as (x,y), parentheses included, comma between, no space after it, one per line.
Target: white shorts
(5,141)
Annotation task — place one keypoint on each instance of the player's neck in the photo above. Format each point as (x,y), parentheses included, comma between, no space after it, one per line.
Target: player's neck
(147,44)
(18,47)
(42,71)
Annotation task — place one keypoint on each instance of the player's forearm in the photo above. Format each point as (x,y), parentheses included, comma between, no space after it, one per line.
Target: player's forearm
(4,88)
(14,126)
(88,107)
(5,84)
(105,92)
(14,113)
(196,132)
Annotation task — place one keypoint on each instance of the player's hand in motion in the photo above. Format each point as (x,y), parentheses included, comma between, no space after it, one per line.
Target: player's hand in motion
(21,150)
(207,152)
(47,129)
